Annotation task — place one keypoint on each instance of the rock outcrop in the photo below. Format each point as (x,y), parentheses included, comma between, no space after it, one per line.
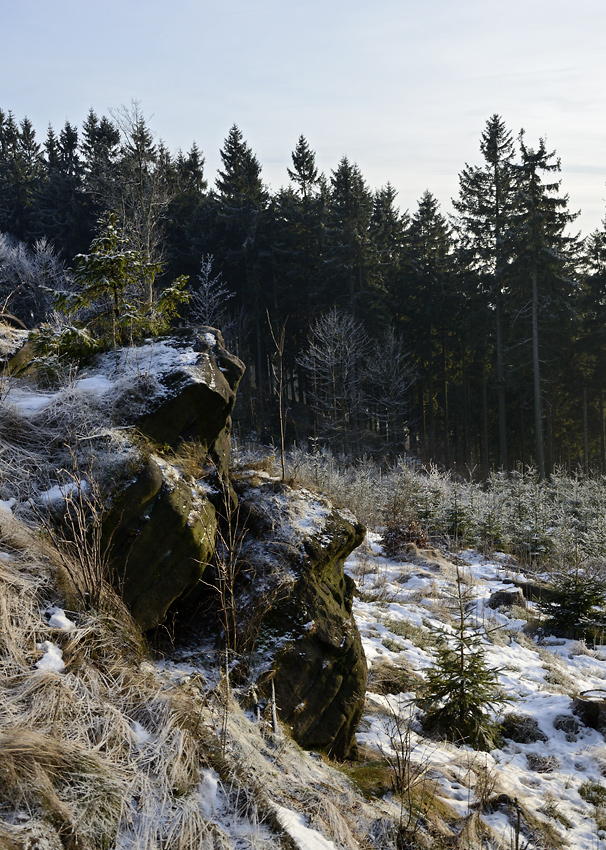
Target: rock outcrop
(195,397)
(308,641)
(171,492)
(161,532)
(162,522)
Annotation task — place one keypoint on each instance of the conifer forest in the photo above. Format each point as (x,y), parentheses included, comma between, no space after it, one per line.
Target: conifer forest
(475,340)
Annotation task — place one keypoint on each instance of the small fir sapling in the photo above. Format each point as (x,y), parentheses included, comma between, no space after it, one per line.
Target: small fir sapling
(575,607)
(462,691)
(109,301)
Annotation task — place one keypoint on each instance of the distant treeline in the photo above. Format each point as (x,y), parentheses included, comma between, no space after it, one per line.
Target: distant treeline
(476,339)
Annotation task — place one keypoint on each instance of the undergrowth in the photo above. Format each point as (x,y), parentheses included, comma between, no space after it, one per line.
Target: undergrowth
(558,523)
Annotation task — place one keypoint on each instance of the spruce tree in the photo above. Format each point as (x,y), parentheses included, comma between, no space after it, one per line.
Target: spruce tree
(21,169)
(543,265)
(99,146)
(431,312)
(575,607)
(462,691)
(348,267)
(485,206)
(61,213)
(240,248)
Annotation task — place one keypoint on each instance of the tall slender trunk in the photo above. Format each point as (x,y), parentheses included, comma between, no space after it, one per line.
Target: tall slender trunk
(431,418)
(538,413)
(549,444)
(485,457)
(445,391)
(585,435)
(602,434)
(501,381)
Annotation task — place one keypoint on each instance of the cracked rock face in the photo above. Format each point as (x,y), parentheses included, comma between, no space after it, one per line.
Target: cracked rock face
(308,639)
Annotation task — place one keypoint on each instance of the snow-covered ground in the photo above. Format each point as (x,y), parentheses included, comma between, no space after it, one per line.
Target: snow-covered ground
(400,606)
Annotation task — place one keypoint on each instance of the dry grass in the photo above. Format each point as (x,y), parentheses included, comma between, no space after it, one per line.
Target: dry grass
(74,761)
(109,752)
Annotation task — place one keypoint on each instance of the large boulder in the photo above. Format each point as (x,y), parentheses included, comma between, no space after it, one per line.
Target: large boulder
(161,531)
(194,395)
(177,393)
(308,642)
(161,526)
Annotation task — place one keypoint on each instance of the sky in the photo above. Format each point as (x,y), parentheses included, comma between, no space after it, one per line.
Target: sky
(402,88)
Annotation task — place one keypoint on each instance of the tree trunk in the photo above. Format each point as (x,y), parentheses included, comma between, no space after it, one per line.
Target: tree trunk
(445,391)
(501,382)
(585,436)
(602,434)
(485,457)
(538,414)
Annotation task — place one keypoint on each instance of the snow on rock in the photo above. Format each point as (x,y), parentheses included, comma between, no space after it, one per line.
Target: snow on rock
(304,837)
(7,505)
(52,660)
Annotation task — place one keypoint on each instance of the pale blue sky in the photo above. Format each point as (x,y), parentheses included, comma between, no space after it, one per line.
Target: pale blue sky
(403,88)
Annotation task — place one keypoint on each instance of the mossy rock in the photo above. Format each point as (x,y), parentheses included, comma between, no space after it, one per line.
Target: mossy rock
(22,362)
(160,542)
(310,638)
(195,401)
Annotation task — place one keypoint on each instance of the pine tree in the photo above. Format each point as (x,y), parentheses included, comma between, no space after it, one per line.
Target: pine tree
(485,207)
(575,606)
(431,311)
(388,233)
(100,140)
(296,229)
(144,191)
(185,212)
(462,691)
(348,266)
(591,342)
(240,245)
(110,290)
(21,167)
(543,259)
(304,172)
(61,215)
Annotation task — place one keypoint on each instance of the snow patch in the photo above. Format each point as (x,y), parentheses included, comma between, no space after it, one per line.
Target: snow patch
(58,620)
(52,660)
(304,837)
(60,492)
(209,793)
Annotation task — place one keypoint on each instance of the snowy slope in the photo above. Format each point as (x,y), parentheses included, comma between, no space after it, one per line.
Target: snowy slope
(400,605)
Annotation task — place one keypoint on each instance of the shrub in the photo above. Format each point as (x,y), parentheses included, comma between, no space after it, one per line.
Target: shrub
(573,608)
(113,299)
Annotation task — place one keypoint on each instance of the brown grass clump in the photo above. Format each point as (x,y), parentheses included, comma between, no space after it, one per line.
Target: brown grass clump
(102,748)
(71,788)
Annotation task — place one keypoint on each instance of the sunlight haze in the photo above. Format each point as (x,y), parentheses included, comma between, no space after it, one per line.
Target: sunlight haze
(403,89)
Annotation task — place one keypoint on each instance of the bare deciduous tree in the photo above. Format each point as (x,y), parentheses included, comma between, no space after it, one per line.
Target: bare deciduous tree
(389,374)
(334,363)
(208,302)
(28,278)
